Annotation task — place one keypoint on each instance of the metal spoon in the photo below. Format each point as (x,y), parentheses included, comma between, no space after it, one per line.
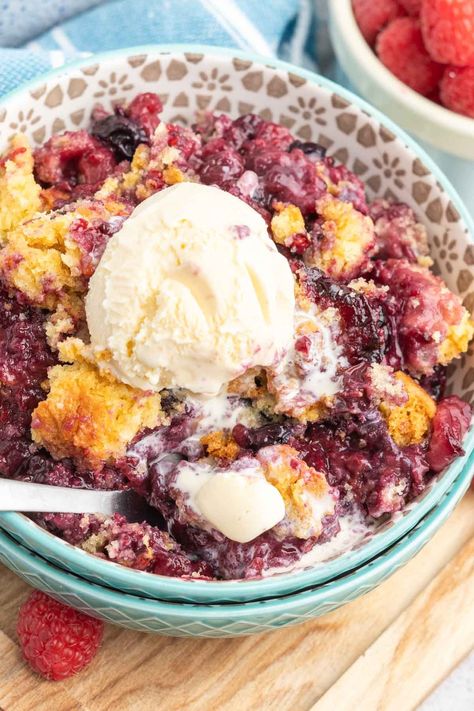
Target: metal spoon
(43,498)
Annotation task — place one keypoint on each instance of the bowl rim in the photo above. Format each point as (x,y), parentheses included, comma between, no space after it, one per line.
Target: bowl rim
(154,586)
(364,578)
(21,526)
(342,14)
(274,63)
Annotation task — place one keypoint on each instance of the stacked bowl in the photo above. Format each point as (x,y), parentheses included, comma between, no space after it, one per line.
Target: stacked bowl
(192,79)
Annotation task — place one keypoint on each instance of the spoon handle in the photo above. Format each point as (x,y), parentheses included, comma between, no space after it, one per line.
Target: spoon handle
(25,496)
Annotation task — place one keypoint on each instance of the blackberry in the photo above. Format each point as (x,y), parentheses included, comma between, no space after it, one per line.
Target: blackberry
(121,134)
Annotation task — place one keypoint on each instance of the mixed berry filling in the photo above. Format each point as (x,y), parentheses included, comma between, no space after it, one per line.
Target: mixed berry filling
(350,422)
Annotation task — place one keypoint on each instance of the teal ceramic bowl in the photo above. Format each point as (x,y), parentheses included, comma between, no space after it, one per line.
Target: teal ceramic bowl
(108,574)
(192,79)
(224,620)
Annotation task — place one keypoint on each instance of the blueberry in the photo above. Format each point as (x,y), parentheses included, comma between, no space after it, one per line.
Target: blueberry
(257,437)
(309,148)
(121,134)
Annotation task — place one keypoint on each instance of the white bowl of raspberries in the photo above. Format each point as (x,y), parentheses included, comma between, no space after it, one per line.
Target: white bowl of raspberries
(414,59)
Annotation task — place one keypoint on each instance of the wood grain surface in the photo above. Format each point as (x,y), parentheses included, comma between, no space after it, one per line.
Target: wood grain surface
(387,649)
(432,635)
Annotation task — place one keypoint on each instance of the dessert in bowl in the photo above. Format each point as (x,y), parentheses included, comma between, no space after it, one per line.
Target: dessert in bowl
(224,620)
(221,317)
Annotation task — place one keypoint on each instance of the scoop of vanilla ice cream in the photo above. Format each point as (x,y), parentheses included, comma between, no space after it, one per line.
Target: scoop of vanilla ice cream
(190,293)
(240,507)
(238,502)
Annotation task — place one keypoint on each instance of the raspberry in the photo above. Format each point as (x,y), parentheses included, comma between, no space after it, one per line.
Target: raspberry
(372,16)
(270,134)
(448,30)
(222,169)
(144,110)
(449,426)
(413,7)
(294,179)
(73,157)
(243,129)
(299,243)
(426,312)
(457,90)
(57,641)
(400,47)
(95,166)
(434,96)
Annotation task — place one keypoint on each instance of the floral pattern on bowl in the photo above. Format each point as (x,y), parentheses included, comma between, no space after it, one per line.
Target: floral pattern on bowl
(192,81)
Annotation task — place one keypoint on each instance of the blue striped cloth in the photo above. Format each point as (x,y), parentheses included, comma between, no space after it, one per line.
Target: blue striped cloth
(38,34)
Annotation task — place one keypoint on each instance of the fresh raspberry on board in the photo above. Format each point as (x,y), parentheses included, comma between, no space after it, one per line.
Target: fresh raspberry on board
(57,641)
(457,90)
(413,7)
(373,15)
(400,47)
(448,30)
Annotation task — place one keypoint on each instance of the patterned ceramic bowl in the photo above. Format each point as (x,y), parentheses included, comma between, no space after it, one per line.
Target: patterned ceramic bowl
(191,79)
(225,620)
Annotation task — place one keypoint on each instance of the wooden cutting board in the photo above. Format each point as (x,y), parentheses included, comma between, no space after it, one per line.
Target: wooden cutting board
(385,651)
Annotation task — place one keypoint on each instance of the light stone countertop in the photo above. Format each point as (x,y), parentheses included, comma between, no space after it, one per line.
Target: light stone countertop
(455,692)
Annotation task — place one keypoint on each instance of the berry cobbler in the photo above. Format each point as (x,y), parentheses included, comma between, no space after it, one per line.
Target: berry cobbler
(218,318)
